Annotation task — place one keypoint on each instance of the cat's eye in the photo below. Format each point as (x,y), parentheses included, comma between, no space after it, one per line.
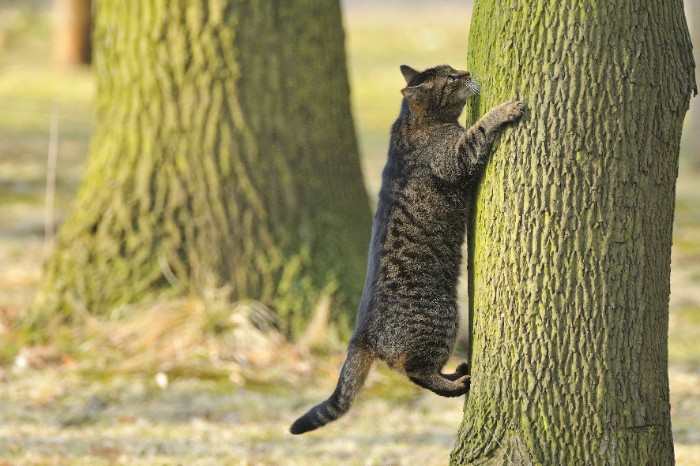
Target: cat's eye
(450,79)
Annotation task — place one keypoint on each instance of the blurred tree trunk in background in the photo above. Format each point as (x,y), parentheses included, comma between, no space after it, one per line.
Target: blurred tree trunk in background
(72,32)
(570,245)
(224,154)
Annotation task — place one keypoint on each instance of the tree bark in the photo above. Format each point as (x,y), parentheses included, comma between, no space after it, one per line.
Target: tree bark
(72,32)
(570,240)
(224,154)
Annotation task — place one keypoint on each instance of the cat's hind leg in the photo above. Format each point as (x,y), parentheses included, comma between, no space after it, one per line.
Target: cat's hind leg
(442,383)
(462,369)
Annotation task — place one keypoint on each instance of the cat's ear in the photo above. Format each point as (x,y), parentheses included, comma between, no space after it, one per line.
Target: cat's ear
(408,73)
(417,94)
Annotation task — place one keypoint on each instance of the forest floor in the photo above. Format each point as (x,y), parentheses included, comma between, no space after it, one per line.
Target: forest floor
(111,405)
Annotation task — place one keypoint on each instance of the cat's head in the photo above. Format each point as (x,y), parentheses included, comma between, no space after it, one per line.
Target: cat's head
(440,92)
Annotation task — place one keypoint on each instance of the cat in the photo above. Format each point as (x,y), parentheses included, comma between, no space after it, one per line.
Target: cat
(408,314)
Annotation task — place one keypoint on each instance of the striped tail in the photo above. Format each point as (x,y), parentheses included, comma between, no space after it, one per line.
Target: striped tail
(352,378)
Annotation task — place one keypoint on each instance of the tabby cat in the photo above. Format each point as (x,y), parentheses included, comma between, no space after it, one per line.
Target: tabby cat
(408,315)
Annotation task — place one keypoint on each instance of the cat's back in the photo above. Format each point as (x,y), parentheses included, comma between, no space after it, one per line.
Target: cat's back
(417,233)
(411,188)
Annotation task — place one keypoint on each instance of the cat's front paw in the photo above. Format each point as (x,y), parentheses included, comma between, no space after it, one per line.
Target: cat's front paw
(512,111)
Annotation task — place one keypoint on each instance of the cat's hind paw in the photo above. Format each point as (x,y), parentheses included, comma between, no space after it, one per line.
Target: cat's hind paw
(462,369)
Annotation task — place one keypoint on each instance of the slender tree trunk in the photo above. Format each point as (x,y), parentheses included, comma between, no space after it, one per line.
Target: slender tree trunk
(72,32)
(224,155)
(570,244)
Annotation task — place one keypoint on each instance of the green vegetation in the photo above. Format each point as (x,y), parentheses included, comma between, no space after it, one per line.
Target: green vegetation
(105,392)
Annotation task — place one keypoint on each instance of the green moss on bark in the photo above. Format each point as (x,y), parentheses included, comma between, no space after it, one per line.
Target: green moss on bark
(571,236)
(224,154)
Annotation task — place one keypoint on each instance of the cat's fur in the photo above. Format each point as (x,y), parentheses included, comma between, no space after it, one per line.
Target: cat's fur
(408,315)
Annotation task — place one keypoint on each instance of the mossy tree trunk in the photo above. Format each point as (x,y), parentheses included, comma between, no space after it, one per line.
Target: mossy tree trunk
(224,154)
(570,245)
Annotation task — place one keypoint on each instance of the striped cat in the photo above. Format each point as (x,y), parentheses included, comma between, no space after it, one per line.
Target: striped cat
(408,315)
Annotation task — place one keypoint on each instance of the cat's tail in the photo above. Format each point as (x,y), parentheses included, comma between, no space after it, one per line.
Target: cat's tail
(352,378)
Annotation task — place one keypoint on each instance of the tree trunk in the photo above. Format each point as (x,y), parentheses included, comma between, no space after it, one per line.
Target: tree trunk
(72,32)
(570,244)
(224,154)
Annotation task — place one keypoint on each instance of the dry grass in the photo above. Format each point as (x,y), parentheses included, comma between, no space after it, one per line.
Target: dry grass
(197,337)
(56,417)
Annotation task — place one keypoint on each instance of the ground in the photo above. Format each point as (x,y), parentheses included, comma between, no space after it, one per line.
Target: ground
(118,403)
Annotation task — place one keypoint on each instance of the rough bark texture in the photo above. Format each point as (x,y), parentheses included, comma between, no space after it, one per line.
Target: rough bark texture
(570,245)
(224,155)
